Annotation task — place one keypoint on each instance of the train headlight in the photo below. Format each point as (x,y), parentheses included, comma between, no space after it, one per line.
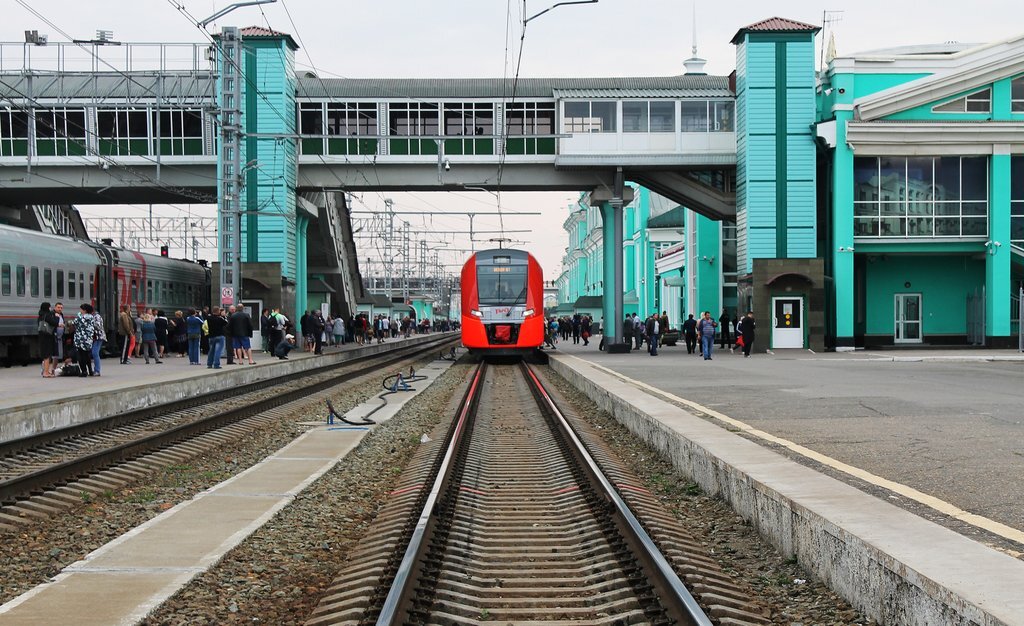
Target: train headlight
(476,313)
(528,313)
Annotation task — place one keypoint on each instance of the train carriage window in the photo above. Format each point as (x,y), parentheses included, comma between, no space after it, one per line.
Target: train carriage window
(149,291)
(33,282)
(92,284)
(47,282)
(19,277)
(81,284)
(189,293)
(5,279)
(71,285)
(134,291)
(60,283)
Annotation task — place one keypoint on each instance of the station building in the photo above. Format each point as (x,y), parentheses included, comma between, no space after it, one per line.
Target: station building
(879,201)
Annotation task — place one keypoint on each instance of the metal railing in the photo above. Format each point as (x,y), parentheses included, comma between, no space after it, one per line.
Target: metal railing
(69,57)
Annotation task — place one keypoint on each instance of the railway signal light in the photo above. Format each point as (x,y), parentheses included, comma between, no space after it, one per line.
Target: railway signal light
(164,251)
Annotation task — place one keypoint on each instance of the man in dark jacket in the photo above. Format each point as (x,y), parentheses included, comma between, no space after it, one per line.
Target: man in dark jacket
(748,333)
(690,333)
(315,324)
(240,327)
(653,330)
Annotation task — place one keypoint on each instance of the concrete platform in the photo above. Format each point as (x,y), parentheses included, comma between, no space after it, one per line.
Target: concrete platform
(136,572)
(30,403)
(927,427)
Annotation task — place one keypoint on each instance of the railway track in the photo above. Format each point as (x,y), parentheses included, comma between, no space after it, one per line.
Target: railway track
(510,518)
(64,462)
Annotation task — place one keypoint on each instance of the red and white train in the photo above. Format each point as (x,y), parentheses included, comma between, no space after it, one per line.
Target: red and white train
(502,303)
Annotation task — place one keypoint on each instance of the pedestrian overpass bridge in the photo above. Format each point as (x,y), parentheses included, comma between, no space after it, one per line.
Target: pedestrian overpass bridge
(118,132)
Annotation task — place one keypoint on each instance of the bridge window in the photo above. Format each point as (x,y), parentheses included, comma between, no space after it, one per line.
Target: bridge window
(13,133)
(643,116)
(469,119)
(180,131)
(526,124)
(123,131)
(597,116)
(413,119)
(920,197)
(1017,200)
(60,132)
(355,125)
(723,116)
(694,116)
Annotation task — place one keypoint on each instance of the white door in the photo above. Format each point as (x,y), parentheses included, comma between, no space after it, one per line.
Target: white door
(908,318)
(788,322)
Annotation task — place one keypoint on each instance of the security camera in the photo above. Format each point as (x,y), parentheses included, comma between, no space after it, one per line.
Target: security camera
(447,165)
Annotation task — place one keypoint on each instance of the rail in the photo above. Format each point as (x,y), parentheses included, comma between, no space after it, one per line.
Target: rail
(17,487)
(677,601)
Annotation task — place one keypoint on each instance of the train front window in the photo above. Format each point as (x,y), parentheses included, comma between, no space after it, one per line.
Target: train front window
(501,284)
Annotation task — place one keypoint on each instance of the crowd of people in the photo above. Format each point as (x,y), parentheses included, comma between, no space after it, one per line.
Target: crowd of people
(579,326)
(700,334)
(72,345)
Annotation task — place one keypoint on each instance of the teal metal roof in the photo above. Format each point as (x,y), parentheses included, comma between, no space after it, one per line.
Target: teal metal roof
(410,88)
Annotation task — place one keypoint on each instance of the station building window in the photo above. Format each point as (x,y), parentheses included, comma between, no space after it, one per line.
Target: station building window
(180,131)
(413,119)
(1017,95)
(920,197)
(1017,200)
(977,102)
(13,133)
(473,123)
(596,116)
(527,124)
(648,116)
(123,132)
(60,132)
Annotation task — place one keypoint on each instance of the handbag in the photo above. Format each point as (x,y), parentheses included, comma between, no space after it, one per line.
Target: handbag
(44,327)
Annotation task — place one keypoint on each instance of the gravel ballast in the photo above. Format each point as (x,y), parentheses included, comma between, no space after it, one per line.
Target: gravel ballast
(278,575)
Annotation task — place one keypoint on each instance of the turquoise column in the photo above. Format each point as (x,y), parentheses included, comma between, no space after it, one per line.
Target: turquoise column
(301,278)
(608,245)
(997,260)
(842,233)
(709,265)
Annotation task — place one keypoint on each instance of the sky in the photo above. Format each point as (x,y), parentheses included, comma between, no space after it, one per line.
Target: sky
(481,38)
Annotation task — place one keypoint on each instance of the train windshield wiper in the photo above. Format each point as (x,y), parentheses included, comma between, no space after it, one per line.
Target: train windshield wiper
(516,301)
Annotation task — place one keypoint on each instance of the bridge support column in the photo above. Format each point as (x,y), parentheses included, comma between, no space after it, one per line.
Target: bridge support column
(611,216)
(301,265)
